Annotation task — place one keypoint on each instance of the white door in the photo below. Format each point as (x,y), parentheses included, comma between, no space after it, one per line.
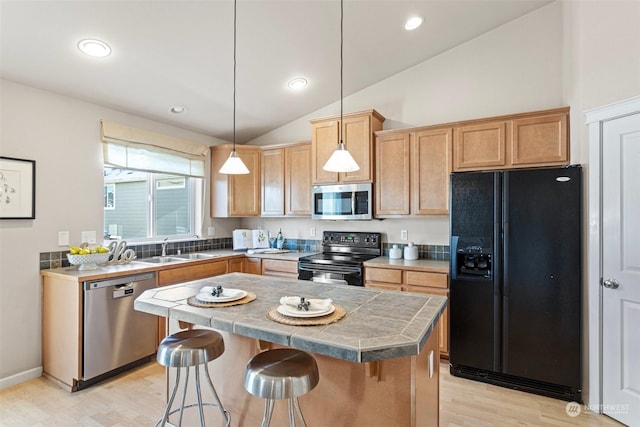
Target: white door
(621,269)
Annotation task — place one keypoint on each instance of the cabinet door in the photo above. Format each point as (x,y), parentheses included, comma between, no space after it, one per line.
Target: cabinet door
(480,146)
(324,140)
(385,275)
(431,165)
(244,190)
(235,265)
(392,175)
(192,272)
(540,141)
(273,182)
(252,266)
(280,268)
(298,180)
(358,138)
(443,324)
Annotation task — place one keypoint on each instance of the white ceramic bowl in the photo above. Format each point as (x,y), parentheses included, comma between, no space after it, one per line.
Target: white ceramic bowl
(88,262)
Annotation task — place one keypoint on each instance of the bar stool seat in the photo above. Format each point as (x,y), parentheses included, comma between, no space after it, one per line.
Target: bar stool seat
(283,373)
(186,349)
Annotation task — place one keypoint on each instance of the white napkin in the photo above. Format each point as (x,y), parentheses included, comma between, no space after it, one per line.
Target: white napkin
(209,289)
(314,303)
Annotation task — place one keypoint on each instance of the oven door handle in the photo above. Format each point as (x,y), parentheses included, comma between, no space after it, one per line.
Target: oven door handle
(329,281)
(326,268)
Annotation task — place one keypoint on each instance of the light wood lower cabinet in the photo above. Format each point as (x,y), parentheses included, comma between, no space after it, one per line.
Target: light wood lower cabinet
(407,280)
(245,265)
(280,268)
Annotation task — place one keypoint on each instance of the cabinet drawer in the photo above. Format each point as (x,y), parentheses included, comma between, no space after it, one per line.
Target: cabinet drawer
(385,286)
(280,265)
(184,274)
(420,278)
(383,275)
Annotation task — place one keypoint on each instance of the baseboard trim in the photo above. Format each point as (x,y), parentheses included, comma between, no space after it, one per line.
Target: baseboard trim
(20,377)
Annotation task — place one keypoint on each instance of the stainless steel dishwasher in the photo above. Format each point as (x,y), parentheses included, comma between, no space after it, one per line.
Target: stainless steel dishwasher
(116,337)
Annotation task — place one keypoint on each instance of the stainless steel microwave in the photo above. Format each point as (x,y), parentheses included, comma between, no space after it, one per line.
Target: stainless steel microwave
(342,201)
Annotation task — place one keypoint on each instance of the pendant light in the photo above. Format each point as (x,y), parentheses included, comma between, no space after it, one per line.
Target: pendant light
(341,160)
(234,164)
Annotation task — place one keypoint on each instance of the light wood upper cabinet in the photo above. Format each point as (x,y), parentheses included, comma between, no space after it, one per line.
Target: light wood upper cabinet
(431,152)
(286,180)
(539,140)
(358,129)
(235,195)
(392,175)
(482,145)
(412,172)
(298,180)
(273,182)
(534,139)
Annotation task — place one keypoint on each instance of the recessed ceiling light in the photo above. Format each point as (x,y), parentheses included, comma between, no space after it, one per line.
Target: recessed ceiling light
(177,109)
(95,48)
(297,83)
(413,23)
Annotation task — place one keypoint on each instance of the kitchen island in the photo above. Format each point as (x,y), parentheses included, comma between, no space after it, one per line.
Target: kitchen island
(378,364)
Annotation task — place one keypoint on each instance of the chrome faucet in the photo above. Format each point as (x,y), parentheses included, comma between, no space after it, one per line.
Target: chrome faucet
(164,246)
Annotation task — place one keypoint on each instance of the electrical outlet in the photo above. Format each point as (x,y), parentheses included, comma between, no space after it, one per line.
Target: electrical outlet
(404,235)
(88,237)
(211,231)
(312,232)
(63,238)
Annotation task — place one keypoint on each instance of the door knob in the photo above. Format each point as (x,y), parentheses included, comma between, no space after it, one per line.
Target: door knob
(611,284)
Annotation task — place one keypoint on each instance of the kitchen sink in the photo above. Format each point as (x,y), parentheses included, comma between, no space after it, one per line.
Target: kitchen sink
(196,255)
(162,259)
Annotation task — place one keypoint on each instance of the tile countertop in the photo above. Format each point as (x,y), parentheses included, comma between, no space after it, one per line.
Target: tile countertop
(428,265)
(378,325)
(137,266)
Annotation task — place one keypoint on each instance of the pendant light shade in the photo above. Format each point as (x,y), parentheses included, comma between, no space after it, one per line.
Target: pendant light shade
(234,164)
(341,160)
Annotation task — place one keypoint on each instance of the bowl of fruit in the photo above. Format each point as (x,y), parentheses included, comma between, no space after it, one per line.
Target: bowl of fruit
(87,258)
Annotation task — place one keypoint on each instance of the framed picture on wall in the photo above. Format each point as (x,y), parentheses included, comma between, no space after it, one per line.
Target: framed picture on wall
(17,188)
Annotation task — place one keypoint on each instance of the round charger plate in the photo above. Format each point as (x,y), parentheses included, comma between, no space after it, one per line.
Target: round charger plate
(228,295)
(288,310)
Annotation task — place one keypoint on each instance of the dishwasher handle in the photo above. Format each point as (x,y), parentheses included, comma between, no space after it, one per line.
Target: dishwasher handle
(119,281)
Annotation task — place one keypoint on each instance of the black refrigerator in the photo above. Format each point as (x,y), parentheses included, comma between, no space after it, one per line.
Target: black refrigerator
(515,291)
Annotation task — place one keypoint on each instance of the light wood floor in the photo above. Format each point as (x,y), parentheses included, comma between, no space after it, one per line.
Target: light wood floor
(136,399)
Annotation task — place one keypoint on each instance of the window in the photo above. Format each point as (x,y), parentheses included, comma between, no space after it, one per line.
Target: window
(149,205)
(158,180)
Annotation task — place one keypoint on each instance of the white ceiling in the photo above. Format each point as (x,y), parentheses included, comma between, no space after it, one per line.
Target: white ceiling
(180,52)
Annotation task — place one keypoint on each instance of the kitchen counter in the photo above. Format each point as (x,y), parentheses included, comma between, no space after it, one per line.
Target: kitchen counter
(137,266)
(378,365)
(428,265)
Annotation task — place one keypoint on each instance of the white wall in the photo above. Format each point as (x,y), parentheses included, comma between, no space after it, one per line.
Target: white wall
(514,68)
(601,65)
(63,136)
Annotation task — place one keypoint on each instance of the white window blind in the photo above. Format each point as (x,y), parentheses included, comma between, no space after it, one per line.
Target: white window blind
(131,148)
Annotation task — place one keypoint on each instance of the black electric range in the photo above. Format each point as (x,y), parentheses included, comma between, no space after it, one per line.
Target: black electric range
(343,254)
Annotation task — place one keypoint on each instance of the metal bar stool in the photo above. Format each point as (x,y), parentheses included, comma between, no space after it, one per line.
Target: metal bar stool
(186,349)
(282,373)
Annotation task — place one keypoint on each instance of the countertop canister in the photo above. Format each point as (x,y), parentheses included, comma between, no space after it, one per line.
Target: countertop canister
(395,252)
(411,251)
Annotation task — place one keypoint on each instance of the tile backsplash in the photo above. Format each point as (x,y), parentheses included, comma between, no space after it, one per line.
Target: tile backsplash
(59,258)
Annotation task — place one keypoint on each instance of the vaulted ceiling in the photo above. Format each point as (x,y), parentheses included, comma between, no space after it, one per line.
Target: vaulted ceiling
(180,53)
